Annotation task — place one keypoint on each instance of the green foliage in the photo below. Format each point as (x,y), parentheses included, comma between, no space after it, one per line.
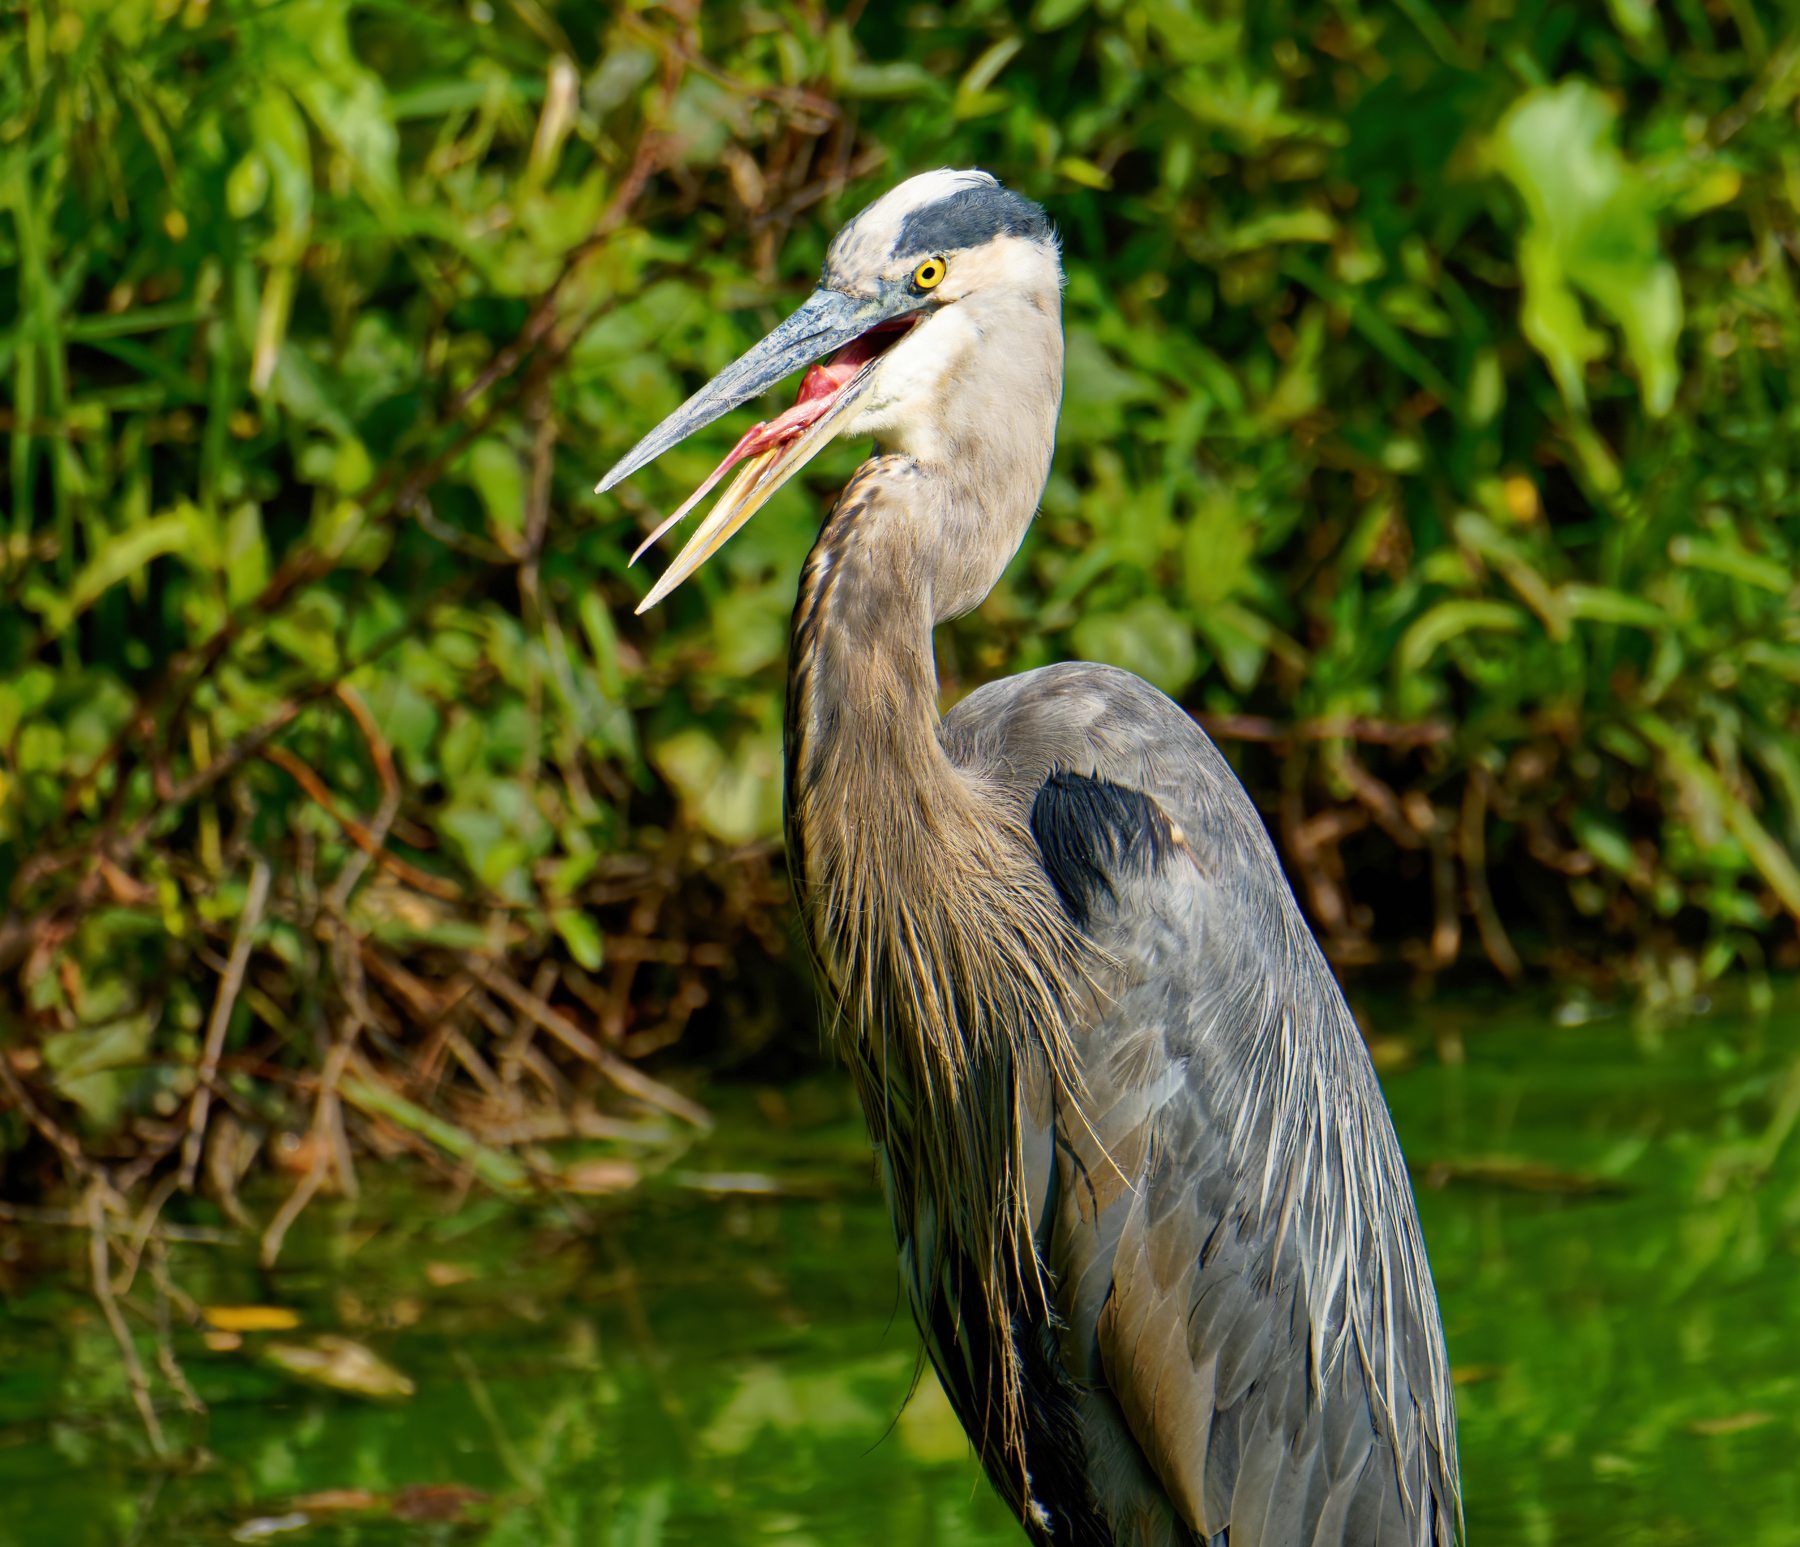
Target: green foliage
(1428,432)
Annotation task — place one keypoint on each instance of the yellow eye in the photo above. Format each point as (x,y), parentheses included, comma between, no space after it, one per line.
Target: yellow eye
(929,274)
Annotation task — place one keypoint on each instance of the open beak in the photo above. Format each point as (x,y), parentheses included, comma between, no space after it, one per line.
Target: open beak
(855,332)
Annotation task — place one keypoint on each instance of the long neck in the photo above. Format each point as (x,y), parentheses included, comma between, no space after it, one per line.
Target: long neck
(958,983)
(916,876)
(908,545)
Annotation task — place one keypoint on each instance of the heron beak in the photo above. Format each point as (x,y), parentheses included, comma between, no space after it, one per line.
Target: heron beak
(855,332)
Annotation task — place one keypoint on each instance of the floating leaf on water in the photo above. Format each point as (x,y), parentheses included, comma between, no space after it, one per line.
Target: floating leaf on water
(264,1526)
(340,1364)
(1508,1171)
(332,1499)
(250,1318)
(434,1501)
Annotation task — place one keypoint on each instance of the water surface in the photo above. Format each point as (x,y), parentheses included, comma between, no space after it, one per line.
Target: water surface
(1614,1222)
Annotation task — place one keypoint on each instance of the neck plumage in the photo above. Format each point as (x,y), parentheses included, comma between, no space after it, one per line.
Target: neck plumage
(873,800)
(957,981)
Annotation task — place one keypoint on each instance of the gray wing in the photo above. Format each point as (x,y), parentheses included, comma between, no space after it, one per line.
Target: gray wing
(1240,1271)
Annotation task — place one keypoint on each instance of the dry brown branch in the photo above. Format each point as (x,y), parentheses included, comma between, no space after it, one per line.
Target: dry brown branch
(824,188)
(230,1151)
(227,761)
(347,967)
(427,1005)
(379,751)
(793,99)
(358,834)
(1377,798)
(634,1082)
(1446,928)
(479,1070)
(495,1019)
(141,1233)
(223,1003)
(547,1075)
(1473,843)
(1313,841)
(165,1342)
(1541,843)
(94,1207)
(321,1133)
(391,794)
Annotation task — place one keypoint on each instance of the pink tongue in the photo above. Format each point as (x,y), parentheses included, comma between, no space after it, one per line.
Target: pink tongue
(819,388)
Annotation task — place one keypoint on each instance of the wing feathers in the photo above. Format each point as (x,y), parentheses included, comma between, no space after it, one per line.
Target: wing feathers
(1236,1254)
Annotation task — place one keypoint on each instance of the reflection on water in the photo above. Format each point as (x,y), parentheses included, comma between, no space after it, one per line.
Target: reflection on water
(1614,1231)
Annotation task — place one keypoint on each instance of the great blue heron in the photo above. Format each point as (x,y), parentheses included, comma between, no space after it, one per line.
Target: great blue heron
(1152,1217)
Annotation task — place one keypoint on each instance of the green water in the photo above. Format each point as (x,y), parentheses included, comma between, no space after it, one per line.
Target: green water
(1614,1222)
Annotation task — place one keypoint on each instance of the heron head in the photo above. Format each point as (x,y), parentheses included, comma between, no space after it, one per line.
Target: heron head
(897,342)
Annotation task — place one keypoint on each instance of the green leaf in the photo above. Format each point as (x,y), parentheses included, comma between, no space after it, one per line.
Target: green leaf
(1599,604)
(855,77)
(581,935)
(603,641)
(736,797)
(1216,554)
(24,695)
(1264,230)
(1240,651)
(1082,173)
(89,1066)
(308,630)
(123,555)
(973,99)
(1708,792)
(750,629)
(285,152)
(499,478)
(1412,307)
(1147,638)
(247,186)
(246,555)
(1605,841)
(1445,622)
(1735,563)
(1592,228)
